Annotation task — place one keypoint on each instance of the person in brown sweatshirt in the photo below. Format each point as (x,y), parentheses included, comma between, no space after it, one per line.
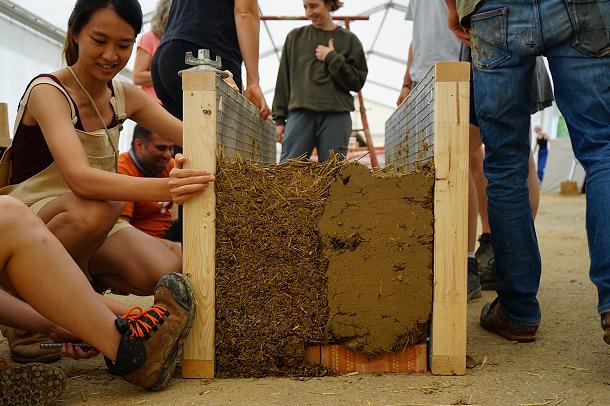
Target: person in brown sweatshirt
(320,65)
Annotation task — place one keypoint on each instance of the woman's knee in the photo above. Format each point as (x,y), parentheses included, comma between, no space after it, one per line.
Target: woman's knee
(15,215)
(172,263)
(162,266)
(89,217)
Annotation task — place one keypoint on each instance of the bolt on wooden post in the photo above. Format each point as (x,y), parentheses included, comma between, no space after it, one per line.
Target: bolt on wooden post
(199,239)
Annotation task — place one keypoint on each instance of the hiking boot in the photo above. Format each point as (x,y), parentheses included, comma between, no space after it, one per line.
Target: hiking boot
(474,281)
(489,278)
(151,339)
(493,320)
(25,346)
(606,326)
(31,384)
(484,253)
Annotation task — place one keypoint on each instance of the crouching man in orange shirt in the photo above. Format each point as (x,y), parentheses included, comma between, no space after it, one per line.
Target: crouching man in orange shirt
(151,156)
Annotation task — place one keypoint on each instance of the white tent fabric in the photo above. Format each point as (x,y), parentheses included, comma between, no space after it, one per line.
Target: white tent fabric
(559,165)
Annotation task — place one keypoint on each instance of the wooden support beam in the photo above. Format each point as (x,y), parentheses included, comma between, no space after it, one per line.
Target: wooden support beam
(451,125)
(5,138)
(199,242)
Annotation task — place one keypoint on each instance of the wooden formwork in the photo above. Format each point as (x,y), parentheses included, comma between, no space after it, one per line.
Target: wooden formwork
(215,117)
(431,127)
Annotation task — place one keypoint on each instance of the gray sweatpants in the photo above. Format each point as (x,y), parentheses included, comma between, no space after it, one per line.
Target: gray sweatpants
(308,129)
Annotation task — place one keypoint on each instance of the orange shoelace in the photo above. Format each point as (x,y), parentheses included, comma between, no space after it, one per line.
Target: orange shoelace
(141,323)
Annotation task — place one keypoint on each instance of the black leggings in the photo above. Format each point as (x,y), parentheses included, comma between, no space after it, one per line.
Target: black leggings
(167,61)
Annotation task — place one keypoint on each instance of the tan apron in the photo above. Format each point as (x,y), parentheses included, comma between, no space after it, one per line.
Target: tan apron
(49,184)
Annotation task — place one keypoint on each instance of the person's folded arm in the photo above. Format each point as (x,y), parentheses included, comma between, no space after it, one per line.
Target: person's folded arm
(348,73)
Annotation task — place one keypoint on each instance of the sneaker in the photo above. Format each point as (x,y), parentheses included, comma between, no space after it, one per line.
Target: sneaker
(31,384)
(484,253)
(606,326)
(25,346)
(151,339)
(489,278)
(474,281)
(493,320)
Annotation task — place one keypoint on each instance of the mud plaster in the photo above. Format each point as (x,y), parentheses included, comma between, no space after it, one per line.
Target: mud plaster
(377,234)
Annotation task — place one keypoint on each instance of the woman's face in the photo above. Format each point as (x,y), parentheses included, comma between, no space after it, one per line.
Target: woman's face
(105,44)
(317,11)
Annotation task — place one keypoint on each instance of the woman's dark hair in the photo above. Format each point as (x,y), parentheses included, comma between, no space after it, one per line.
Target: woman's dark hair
(334,5)
(128,10)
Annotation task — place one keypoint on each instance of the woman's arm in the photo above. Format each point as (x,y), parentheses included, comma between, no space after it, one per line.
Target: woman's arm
(453,21)
(282,86)
(51,111)
(141,68)
(281,95)
(247,23)
(406,81)
(18,314)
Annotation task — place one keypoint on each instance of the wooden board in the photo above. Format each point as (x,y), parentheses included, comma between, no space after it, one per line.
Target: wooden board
(5,138)
(451,124)
(199,239)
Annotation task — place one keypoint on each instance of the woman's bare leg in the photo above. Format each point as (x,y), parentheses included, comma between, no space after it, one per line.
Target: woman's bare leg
(533,185)
(133,262)
(35,264)
(175,247)
(81,225)
(473,205)
(476,169)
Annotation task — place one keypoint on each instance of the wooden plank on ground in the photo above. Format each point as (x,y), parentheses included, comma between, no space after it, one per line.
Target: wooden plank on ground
(451,123)
(199,242)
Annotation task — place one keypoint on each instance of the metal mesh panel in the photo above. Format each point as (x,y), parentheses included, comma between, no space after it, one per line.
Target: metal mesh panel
(409,132)
(239,129)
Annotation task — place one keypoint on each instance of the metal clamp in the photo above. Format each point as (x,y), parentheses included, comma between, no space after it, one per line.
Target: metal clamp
(204,62)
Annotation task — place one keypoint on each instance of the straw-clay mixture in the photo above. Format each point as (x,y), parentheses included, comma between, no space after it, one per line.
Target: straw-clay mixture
(310,254)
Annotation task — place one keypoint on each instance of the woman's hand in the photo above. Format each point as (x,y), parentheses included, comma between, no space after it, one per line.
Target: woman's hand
(404,93)
(76,352)
(60,334)
(184,184)
(453,21)
(323,51)
(229,81)
(256,97)
(279,130)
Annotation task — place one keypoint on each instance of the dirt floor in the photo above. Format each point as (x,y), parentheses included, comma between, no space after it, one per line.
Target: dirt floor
(568,365)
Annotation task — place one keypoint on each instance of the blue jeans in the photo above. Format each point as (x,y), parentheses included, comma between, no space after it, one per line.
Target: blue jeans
(575,37)
(542,155)
(306,130)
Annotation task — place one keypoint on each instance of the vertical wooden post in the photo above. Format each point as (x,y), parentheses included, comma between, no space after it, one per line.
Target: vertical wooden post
(451,125)
(199,242)
(5,138)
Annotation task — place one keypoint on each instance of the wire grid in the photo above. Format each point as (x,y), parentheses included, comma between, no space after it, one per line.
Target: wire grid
(409,132)
(239,130)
